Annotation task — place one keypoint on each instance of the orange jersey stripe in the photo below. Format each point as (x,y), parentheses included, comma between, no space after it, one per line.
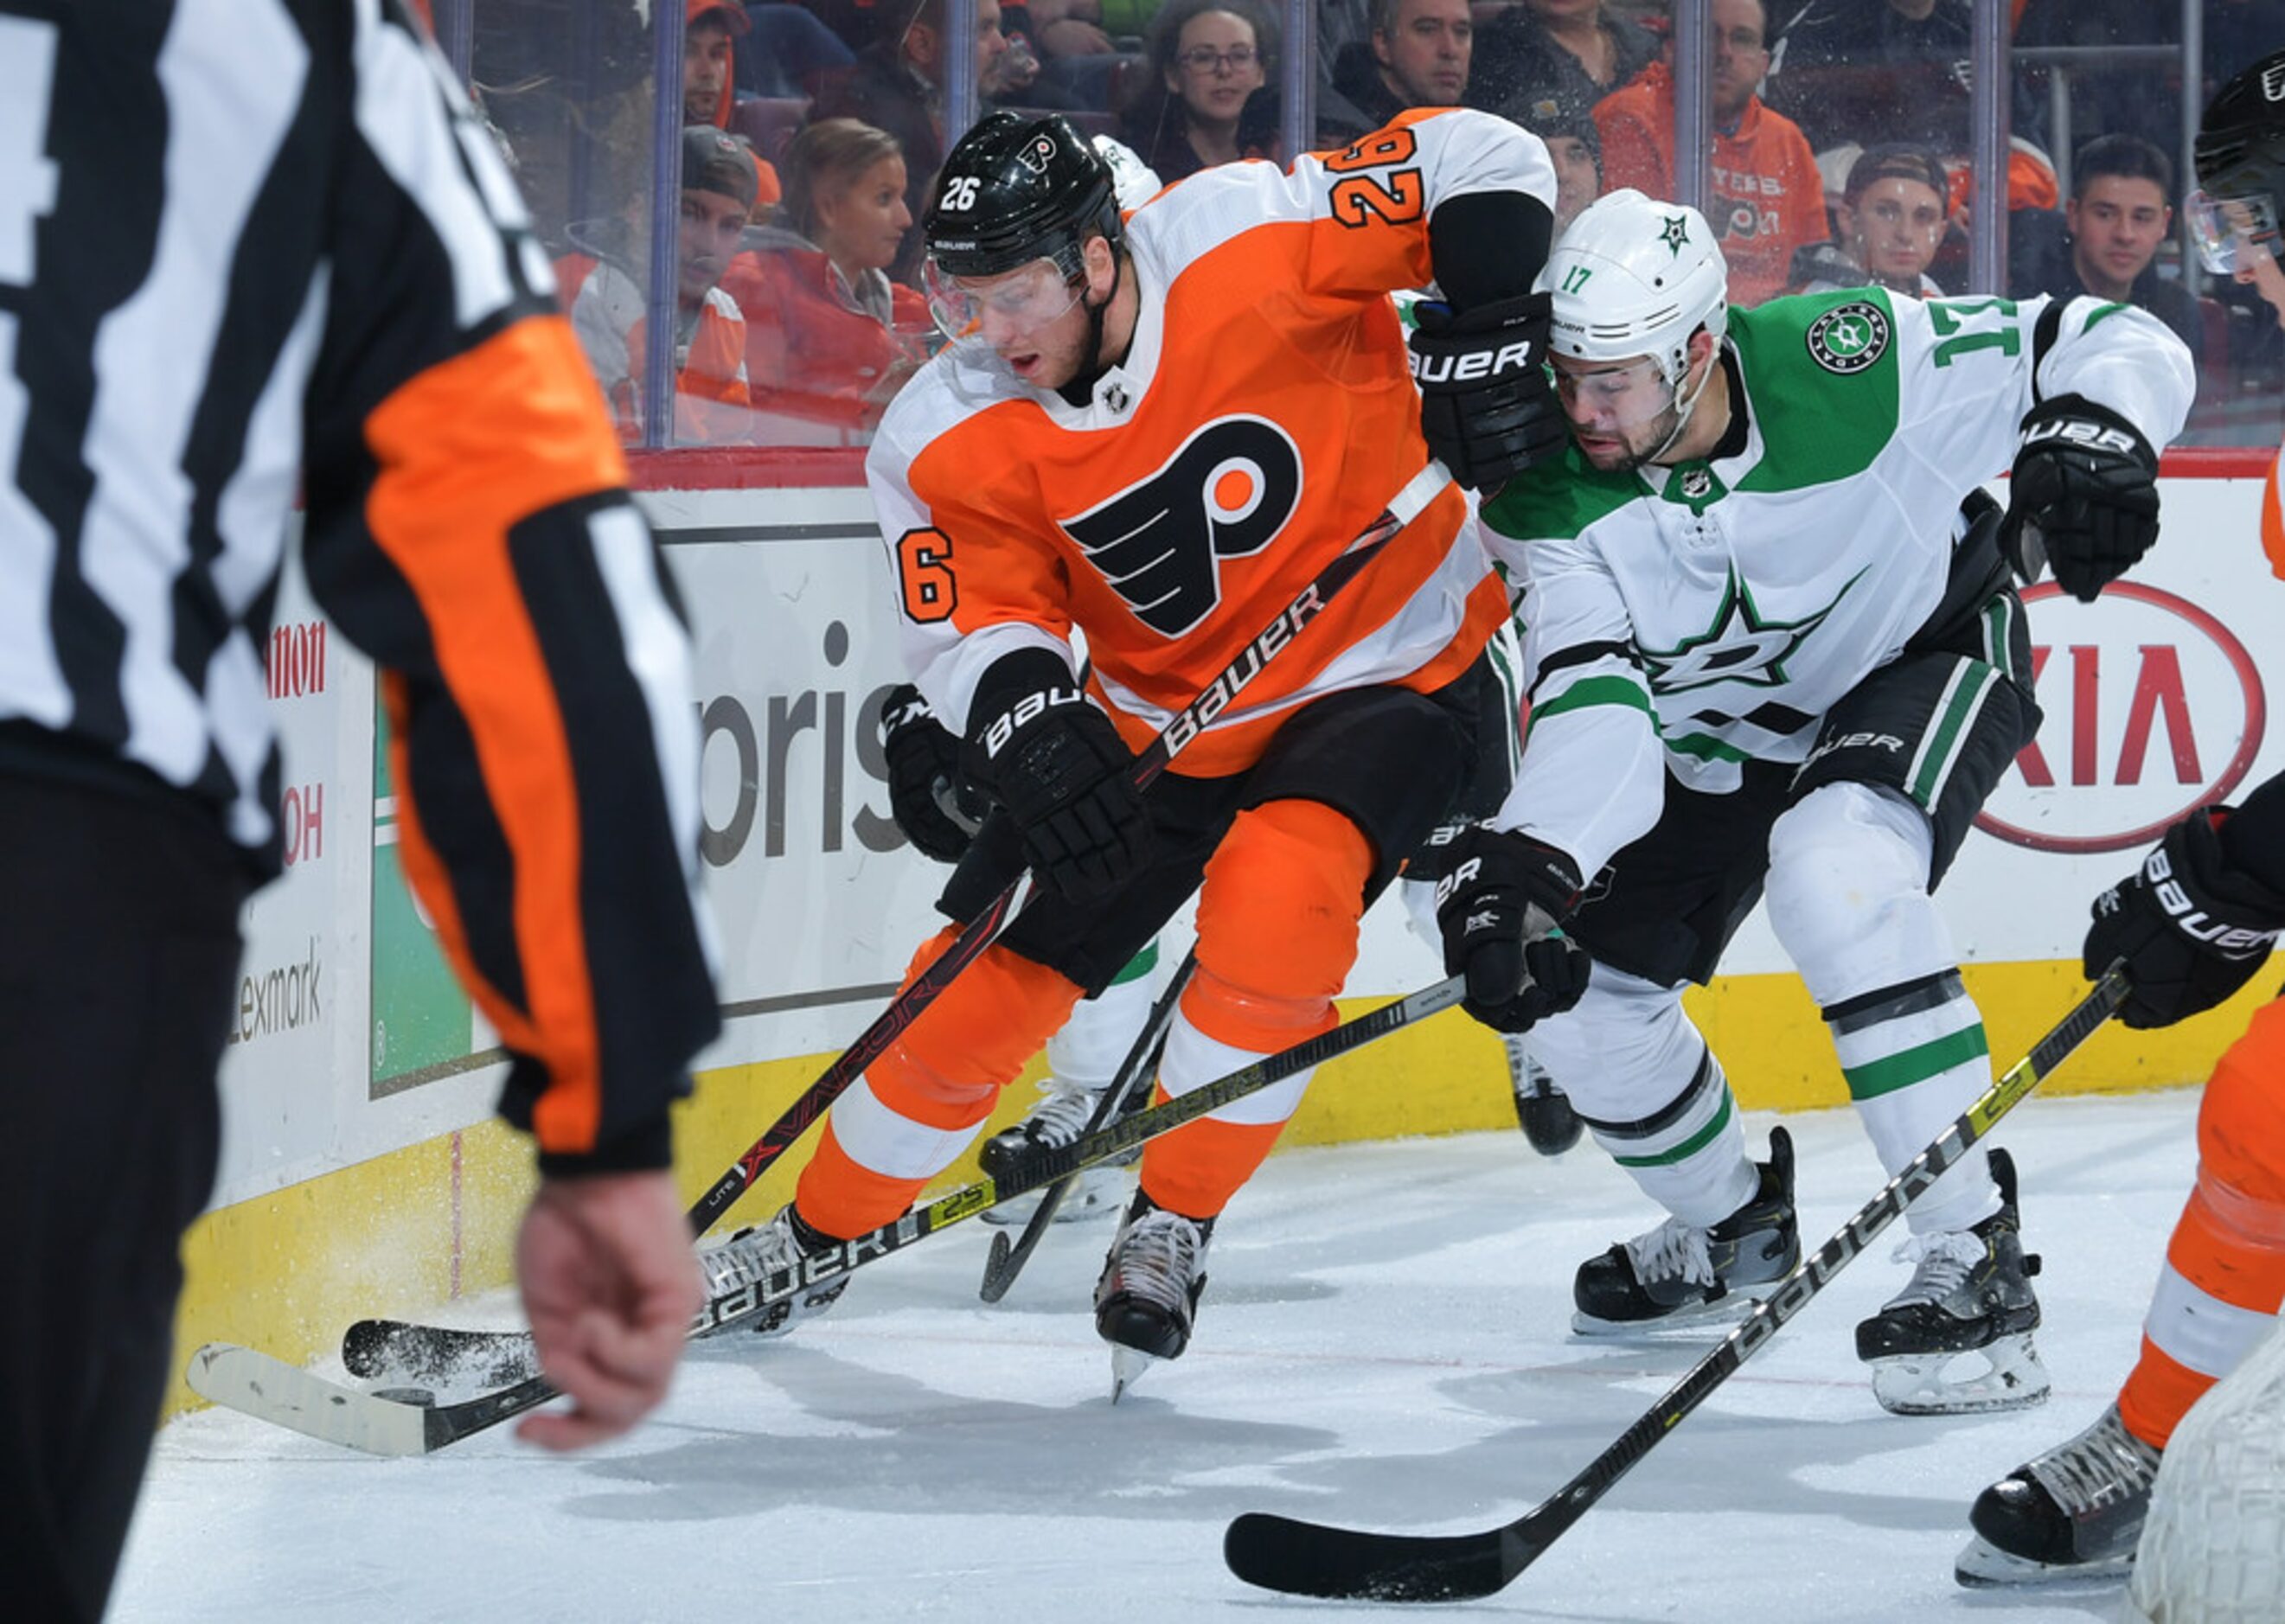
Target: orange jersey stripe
(2273,517)
(465,451)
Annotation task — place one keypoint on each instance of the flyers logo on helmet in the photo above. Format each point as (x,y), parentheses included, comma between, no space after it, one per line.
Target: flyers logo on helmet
(1226,493)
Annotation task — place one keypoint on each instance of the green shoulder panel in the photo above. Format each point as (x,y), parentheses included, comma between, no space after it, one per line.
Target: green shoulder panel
(1559,499)
(1822,371)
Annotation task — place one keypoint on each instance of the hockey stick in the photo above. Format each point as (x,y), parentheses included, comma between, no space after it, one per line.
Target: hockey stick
(1007,1261)
(977,934)
(1304,1558)
(381,1424)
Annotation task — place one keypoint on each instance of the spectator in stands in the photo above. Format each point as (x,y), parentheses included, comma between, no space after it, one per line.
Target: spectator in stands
(1883,70)
(1207,57)
(1537,58)
(708,28)
(712,405)
(2120,210)
(829,336)
(896,85)
(1892,217)
(1416,56)
(1575,145)
(1765,198)
(708,67)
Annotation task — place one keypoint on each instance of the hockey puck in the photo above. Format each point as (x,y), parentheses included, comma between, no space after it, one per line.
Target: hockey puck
(420,1396)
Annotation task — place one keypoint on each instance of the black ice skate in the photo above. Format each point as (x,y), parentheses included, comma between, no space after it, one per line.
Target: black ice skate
(1148,1296)
(1970,1295)
(1681,1275)
(1059,1118)
(1544,1115)
(2073,1513)
(751,1257)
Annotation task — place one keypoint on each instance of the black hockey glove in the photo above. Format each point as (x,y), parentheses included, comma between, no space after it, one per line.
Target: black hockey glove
(938,809)
(1499,909)
(1488,409)
(2191,929)
(1062,771)
(2084,497)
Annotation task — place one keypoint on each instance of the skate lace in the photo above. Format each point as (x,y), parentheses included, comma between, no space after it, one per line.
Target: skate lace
(1943,1261)
(2101,1465)
(1674,1250)
(1061,1117)
(1158,1256)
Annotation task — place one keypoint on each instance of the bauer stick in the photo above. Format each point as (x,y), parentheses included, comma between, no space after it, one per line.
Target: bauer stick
(410,1424)
(1305,1559)
(977,934)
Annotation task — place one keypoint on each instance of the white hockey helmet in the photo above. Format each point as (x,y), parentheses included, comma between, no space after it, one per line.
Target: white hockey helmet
(1635,277)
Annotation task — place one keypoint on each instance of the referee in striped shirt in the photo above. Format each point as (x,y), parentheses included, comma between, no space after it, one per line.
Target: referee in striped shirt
(244,245)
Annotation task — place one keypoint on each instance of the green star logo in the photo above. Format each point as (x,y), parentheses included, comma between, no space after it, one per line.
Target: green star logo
(1674,233)
(1740,646)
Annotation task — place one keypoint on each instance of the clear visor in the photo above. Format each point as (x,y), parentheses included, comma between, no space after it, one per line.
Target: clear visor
(1615,396)
(992,310)
(2232,233)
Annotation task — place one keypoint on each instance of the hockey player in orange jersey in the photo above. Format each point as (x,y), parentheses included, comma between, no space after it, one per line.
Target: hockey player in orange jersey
(2195,923)
(1155,433)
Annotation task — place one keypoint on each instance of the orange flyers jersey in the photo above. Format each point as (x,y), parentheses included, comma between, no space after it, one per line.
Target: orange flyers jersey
(1263,416)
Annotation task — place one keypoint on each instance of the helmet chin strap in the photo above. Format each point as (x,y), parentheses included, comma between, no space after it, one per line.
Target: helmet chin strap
(1683,410)
(1080,389)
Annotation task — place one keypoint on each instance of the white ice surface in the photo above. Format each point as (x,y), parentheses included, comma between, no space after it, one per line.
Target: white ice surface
(1383,1344)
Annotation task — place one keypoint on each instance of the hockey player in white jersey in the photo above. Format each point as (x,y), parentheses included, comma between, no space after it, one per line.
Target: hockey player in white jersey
(1768,651)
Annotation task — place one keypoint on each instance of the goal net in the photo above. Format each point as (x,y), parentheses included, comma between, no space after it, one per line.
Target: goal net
(2213,1548)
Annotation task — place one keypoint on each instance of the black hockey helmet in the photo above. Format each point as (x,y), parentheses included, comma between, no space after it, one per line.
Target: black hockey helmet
(1014,190)
(2240,149)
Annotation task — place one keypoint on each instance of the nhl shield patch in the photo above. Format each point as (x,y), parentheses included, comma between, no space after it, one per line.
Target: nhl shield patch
(1848,337)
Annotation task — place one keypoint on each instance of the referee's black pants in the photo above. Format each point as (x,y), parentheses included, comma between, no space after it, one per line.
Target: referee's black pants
(119,949)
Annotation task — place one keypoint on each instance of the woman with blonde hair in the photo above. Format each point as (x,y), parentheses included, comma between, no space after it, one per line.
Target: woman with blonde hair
(829,336)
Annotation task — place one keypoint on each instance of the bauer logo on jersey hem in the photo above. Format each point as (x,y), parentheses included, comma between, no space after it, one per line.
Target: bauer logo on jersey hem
(1849,338)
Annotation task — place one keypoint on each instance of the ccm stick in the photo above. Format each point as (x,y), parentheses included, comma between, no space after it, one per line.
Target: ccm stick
(1305,1559)
(382,1423)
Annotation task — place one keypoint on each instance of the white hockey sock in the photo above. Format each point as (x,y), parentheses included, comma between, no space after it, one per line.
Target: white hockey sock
(1915,1057)
(1088,1049)
(1693,1162)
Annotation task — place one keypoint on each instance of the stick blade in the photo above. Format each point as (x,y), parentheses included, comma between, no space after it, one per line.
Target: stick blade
(1299,1558)
(271,1390)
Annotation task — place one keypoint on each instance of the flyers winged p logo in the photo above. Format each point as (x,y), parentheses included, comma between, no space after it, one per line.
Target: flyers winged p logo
(1227,494)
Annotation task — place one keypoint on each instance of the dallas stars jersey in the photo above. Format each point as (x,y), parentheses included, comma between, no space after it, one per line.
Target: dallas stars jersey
(1692,618)
(1262,417)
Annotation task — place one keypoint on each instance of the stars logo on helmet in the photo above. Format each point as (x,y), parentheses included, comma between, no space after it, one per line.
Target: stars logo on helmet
(1674,232)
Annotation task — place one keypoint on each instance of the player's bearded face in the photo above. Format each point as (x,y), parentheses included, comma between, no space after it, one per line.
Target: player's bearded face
(1033,319)
(1620,412)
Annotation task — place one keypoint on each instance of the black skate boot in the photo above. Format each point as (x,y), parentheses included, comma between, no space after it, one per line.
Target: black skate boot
(1681,1275)
(754,1257)
(1148,1296)
(1544,1115)
(1970,1294)
(2075,1512)
(1060,1118)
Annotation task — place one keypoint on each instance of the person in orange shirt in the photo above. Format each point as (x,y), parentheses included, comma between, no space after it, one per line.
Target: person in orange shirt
(1765,198)
(2193,924)
(828,335)
(1154,432)
(709,28)
(712,403)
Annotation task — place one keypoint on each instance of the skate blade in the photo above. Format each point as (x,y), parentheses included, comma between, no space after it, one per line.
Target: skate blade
(1128,1365)
(1721,1312)
(1982,1565)
(2011,1377)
